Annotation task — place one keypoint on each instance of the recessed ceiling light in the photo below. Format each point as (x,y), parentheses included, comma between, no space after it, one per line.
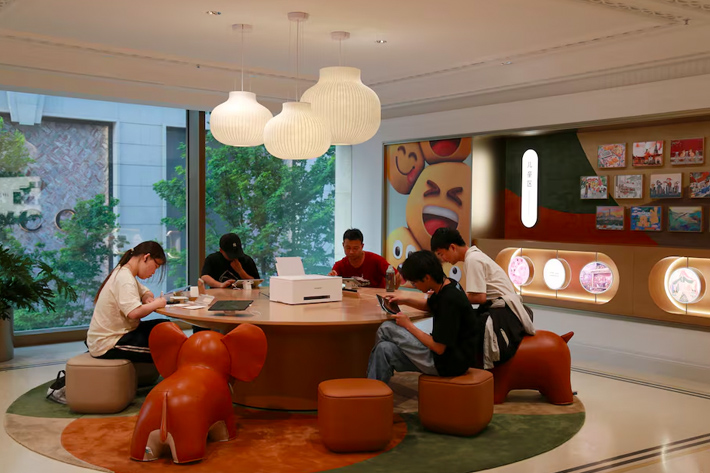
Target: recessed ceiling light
(506,63)
(213,12)
(380,41)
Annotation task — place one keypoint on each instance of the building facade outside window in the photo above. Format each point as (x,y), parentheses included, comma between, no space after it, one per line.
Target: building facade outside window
(77,188)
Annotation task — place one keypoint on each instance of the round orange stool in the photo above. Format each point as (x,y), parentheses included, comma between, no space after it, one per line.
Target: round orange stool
(458,405)
(355,414)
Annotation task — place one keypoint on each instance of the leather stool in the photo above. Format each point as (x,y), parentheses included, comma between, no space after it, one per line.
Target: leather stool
(98,386)
(459,405)
(355,414)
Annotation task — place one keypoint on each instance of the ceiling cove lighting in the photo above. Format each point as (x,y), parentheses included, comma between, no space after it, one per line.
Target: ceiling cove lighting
(297,132)
(351,109)
(240,121)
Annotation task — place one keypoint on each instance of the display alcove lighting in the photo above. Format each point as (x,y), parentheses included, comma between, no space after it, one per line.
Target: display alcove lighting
(556,274)
(685,285)
(351,109)
(240,121)
(297,132)
(596,277)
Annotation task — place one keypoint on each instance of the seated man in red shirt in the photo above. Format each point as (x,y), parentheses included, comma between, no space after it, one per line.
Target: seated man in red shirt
(361,263)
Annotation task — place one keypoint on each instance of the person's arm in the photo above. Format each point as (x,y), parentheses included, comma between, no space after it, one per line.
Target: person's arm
(428,341)
(476,284)
(212,282)
(148,297)
(417,302)
(237,266)
(336,271)
(128,295)
(476,297)
(146,309)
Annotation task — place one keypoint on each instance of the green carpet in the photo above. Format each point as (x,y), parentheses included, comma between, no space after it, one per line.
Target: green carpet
(524,427)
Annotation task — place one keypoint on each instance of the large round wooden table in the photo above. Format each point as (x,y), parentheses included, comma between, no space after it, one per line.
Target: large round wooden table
(307,343)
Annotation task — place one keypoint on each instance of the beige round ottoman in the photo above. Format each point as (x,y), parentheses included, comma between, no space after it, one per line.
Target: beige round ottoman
(355,414)
(459,405)
(97,386)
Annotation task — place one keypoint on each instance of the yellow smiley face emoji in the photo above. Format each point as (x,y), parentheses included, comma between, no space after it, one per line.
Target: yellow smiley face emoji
(449,150)
(400,244)
(404,163)
(440,198)
(455,272)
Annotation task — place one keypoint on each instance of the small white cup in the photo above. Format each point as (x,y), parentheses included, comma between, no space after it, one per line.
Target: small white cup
(194,291)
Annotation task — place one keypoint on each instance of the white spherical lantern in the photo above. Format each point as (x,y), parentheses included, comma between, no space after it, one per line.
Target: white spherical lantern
(240,121)
(296,133)
(351,109)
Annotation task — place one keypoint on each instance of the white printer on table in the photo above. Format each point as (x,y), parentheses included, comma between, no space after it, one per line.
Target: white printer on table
(294,286)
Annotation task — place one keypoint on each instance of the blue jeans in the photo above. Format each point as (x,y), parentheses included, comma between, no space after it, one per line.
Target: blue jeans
(396,349)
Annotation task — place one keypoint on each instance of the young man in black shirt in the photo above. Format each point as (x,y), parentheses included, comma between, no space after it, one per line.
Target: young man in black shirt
(451,347)
(224,267)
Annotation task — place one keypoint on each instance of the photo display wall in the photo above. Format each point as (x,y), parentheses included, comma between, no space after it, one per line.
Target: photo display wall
(645,185)
(428,186)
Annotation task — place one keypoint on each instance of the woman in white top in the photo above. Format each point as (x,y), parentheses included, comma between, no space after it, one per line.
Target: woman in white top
(116,330)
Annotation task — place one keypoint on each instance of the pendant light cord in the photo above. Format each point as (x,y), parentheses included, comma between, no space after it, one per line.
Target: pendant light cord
(298,44)
(242,48)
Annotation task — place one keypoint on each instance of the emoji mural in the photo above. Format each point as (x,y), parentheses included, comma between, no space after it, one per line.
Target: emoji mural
(429,187)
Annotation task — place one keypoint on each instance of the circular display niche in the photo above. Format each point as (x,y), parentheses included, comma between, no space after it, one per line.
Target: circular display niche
(596,277)
(686,285)
(556,274)
(521,270)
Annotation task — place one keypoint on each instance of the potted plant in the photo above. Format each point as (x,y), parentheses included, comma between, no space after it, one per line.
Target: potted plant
(25,283)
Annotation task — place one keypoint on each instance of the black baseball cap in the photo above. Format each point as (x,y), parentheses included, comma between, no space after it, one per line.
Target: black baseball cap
(231,245)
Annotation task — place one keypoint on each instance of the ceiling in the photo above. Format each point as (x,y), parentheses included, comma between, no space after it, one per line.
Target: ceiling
(439,55)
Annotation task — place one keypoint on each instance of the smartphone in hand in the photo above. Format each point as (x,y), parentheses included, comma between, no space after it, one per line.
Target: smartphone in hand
(387,306)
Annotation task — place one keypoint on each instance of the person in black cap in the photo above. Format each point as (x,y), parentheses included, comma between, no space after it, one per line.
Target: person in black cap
(224,267)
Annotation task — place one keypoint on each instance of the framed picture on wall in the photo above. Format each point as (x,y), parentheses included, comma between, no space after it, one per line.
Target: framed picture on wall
(699,184)
(663,186)
(685,219)
(610,217)
(629,186)
(646,219)
(688,151)
(648,153)
(611,156)
(593,187)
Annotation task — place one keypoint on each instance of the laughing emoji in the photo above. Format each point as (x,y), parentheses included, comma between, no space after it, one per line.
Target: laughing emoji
(441,151)
(404,165)
(440,198)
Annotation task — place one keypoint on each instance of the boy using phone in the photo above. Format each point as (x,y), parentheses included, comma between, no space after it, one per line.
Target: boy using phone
(451,348)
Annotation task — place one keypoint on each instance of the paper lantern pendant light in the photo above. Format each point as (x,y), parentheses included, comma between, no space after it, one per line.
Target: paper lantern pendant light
(296,133)
(351,110)
(240,121)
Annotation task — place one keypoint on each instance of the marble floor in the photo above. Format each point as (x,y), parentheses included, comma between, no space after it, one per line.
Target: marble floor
(634,423)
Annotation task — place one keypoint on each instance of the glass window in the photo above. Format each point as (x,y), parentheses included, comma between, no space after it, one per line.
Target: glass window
(277,207)
(80,183)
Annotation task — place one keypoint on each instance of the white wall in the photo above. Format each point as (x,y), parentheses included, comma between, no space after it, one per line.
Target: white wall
(623,342)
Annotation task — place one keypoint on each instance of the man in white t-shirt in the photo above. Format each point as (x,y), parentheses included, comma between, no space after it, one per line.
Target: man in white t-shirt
(487,285)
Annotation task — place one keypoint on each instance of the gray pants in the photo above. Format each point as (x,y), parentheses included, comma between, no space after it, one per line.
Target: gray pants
(396,349)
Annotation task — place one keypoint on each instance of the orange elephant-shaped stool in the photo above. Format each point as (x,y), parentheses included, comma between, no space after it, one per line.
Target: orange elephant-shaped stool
(543,363)
(194,398)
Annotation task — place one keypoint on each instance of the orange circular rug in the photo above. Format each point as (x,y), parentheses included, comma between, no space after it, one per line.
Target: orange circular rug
(266,441)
